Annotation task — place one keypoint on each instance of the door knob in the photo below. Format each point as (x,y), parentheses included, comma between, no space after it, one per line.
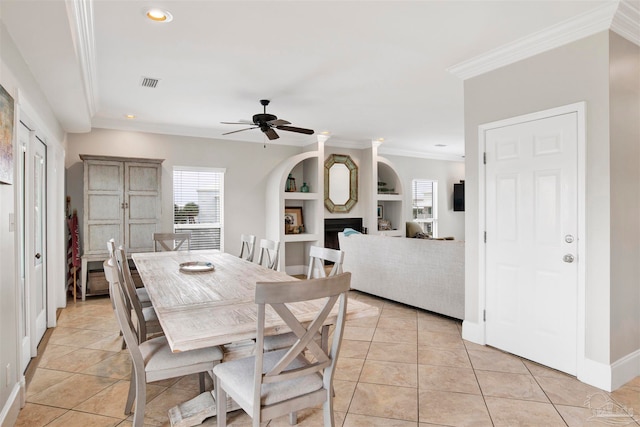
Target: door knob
(568,258)
(38,255)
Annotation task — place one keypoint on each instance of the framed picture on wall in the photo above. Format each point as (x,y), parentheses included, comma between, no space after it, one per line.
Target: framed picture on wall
(6,136)
(293,221)
(379,211)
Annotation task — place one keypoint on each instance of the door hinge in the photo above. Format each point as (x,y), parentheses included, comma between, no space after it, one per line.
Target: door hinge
(484,315)
(485,237)
(484,157)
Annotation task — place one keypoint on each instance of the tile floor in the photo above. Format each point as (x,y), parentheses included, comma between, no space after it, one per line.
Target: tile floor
(406,367)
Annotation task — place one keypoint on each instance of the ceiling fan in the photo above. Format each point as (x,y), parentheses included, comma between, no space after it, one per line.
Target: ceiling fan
(267,124)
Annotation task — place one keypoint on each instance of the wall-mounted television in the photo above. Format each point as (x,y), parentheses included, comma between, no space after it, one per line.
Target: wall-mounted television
(458,196)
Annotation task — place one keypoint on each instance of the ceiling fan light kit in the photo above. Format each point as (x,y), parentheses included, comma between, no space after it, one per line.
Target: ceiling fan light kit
(267,123)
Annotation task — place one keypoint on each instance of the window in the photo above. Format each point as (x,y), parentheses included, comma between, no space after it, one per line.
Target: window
(424,195)
(198,201)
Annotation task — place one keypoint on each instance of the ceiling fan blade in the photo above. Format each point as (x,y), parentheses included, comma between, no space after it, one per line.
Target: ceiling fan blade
(295,129)
(271,134)
(240,130)
(278,122)
(241,122)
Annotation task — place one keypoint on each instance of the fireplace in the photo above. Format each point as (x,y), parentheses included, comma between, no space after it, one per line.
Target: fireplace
(332,226)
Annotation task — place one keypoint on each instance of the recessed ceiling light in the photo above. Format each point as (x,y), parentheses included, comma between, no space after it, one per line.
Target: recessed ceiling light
(381,139)
(159,15)
(325,132)
(441,145)
(130,116)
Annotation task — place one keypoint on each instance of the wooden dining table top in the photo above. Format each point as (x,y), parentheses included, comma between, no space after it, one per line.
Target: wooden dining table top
(203,309)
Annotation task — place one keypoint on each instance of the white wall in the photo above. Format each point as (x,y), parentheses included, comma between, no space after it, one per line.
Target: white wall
(247,168)
(18,81)
(624,77)
(576,72)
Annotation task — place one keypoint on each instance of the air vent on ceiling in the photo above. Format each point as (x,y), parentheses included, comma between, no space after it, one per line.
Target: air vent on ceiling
(149,82)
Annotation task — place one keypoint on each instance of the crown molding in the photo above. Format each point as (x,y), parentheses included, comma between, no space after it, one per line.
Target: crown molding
(570,30)
(355,145)
(80,14)
(382,150)
(626,21)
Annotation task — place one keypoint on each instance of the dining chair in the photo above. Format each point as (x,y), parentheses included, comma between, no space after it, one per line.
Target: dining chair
(317,256)
(171,241)
(146,317)
(275,383)
(153,359)
(269,253)
(142,293)
(248,246)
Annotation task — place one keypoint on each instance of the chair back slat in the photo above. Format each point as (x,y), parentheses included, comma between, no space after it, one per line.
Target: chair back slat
(129,290)
(123,314)
(269,253)
(170,242)
(248,242)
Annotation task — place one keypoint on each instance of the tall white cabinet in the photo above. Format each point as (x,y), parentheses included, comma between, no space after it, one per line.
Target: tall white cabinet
(122,200)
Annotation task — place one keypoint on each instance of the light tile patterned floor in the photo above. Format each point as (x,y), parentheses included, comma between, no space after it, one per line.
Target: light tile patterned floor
(406,367)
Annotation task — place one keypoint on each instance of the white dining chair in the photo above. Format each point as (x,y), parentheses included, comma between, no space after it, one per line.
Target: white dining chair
(317,256)
(269,254)
(143,295)
(248,242)
(171,241)
(153,359)
(272,384)
(146,317)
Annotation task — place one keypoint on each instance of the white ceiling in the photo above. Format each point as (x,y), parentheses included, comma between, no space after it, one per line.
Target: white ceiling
(360,70)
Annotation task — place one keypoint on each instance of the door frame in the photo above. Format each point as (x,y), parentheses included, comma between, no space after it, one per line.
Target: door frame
(580,109)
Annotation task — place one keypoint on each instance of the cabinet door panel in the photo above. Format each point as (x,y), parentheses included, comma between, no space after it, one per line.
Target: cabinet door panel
(104,176)
(99,234)
(104,207)
(141,236)
(143,207)
(143,178)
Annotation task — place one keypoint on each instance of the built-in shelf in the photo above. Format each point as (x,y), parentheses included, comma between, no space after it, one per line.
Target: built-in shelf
(302,237)
(304,168)
(389,197)
(301,196)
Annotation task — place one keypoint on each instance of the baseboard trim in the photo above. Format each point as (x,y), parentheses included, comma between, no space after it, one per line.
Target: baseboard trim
(11,409)
(625,369)
(294,270)
(596,374)
(474,332)
(610,377)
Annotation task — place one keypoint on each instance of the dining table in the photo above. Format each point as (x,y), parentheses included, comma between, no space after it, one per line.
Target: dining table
(204,298)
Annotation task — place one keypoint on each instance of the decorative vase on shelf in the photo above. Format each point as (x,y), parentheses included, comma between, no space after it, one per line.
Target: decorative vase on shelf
(304,188)
(291,184)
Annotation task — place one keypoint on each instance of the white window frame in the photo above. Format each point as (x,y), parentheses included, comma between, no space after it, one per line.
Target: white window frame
(428,222)
(194,227)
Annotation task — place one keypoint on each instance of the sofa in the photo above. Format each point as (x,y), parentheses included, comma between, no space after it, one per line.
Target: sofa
(423,273)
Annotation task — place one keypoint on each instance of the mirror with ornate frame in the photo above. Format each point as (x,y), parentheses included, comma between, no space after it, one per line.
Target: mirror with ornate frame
(340,183)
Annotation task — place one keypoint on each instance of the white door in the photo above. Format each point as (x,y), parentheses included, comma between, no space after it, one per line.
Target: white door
(36,243)
(531,240)
(24,326)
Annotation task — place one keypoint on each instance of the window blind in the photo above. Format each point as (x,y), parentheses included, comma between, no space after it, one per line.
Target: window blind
(198,205)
